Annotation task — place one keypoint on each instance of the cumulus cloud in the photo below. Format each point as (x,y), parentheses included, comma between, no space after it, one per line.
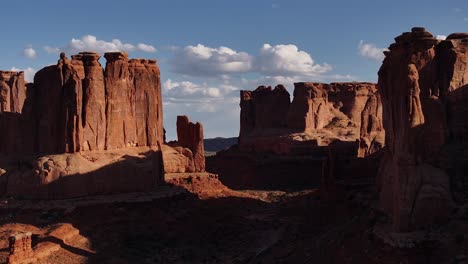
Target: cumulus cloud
(441,37)
(28,73)
(146,48)
(29,53)
(278,60)
(201,60)
(370,51)
(287,60)
(92,43)
(190,91)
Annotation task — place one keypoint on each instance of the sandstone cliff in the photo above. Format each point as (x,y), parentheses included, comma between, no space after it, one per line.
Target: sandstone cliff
(79,106)
(424,93)
(82,129)
(318,115)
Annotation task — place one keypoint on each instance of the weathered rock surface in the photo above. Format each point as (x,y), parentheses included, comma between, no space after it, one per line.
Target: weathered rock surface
(12,91)
(309,108)
(424,93)
(21,249)
(187,153)
(76,105)
(70,175)
(264,108)
(318,115)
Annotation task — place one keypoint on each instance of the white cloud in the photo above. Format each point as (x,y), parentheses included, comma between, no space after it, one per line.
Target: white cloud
(201,60)
(29,53)
(146,48)
(441,37)
(28,73)
(279,60)
(51,50)
(370,51)
(187,90)
(92,43)
(287,60)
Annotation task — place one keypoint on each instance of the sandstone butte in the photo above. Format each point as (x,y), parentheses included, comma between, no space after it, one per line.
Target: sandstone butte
(79,129)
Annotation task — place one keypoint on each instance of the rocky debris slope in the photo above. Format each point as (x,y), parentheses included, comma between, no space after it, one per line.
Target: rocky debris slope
(424,87)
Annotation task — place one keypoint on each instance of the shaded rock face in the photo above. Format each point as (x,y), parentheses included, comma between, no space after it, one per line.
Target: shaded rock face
(424,93)
(372,134)
(264,108)
(187,153)
(12,91)
(76,105)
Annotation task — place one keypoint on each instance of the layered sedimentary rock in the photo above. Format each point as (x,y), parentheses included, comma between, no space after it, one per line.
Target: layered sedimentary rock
(12,91)
(372,134)
(309,108)
(187,153)
(318,115)
(424,93)
(76,105)
(93,119)
(83,129)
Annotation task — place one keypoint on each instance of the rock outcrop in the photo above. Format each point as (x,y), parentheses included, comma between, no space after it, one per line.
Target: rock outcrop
(12,91)
(309,108)
(424,93)
(187,153)
(21,249)
(318,115)
(83,129)
(78,106)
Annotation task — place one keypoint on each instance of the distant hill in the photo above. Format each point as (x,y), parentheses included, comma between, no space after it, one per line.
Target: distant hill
(219,143)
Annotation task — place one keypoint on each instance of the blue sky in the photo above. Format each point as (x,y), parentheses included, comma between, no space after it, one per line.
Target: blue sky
(209,50)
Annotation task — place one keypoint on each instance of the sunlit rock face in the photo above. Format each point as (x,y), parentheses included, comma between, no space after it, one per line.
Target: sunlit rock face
(319,114)
(79,129)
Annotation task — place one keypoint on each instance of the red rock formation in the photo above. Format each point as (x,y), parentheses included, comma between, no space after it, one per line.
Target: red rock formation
(12,91)
(309,109)
(190,135)
(148,102)
(423,97)
(93,120)
(20,249)
(318,115)
(77,106)
(121,130)
(372,135)
(187,153)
